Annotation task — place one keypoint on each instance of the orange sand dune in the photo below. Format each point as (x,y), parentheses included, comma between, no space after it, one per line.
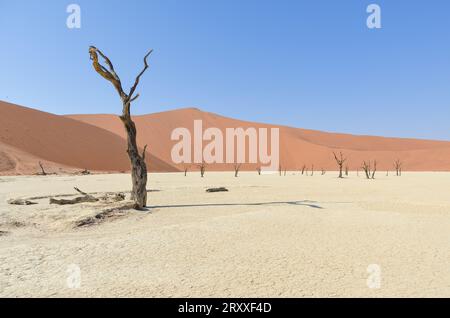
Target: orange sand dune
(298,147)
(97,142)
(28,136)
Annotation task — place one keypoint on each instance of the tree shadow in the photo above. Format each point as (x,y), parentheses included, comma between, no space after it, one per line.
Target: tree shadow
(310,204)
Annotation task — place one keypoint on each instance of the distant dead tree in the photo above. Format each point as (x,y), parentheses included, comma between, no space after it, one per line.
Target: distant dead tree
(237,167)
(312,170)
(369,170)
(186,169)
(366,167)
(280,170)
(340,161)
(258,170)
(303,169)
(398,167)
(285,172)
(387,173)
(323,171)
(374,169)
(202,167)
(42,173)
(346,170)
(138,165)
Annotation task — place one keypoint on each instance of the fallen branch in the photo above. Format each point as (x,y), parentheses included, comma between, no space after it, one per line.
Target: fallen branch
(221,189)
(85,198)
(20,202)
(103,216)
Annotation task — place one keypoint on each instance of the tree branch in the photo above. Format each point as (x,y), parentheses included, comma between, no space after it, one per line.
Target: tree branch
(108,75)
(143,152)
(136,82)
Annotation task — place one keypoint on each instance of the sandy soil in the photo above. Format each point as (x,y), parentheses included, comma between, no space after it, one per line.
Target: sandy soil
(289,236)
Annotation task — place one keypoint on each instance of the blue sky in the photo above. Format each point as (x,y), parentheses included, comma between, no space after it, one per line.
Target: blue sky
(311,64)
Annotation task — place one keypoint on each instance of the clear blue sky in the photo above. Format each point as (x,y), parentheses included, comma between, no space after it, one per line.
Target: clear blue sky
(311,64)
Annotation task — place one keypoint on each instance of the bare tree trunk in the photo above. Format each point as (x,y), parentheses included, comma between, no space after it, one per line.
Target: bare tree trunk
(202,167)
(138,165)
(374,169)
(398,167)
(340,161)
(237,167)
(42,169)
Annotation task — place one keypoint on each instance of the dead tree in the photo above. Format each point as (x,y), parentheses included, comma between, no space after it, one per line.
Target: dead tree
(303,169)
(312,170)
(369,170)
(138,165)
(346,170)
(366,168)
(258,170)
(186,169)
(202,167)
(323,171)
(340,161)
(280,170)
(43,173)
(374,169)
(237,167)
(398,167)
(285,172)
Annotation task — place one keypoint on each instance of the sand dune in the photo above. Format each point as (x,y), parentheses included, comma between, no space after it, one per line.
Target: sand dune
(28,135)
(97,142)
(298,147)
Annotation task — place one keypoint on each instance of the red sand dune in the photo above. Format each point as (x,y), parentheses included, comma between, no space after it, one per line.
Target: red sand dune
(28,136)
(298,147)
(97,142)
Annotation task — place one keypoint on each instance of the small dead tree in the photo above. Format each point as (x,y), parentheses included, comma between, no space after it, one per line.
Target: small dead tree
(312,170)
(138,165)
(237,167)
(186,169)
(258,170)
(369,170)
(340,161)
(43,173)
(202,167)
(280,170)
(374,169)
(398,167)
(303,169)
(366,168)
(346,170)
(323,171)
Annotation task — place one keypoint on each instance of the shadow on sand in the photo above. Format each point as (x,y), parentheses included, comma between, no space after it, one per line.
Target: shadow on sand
(311,204)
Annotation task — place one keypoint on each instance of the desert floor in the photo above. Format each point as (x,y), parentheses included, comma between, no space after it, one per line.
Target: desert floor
(269,236)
